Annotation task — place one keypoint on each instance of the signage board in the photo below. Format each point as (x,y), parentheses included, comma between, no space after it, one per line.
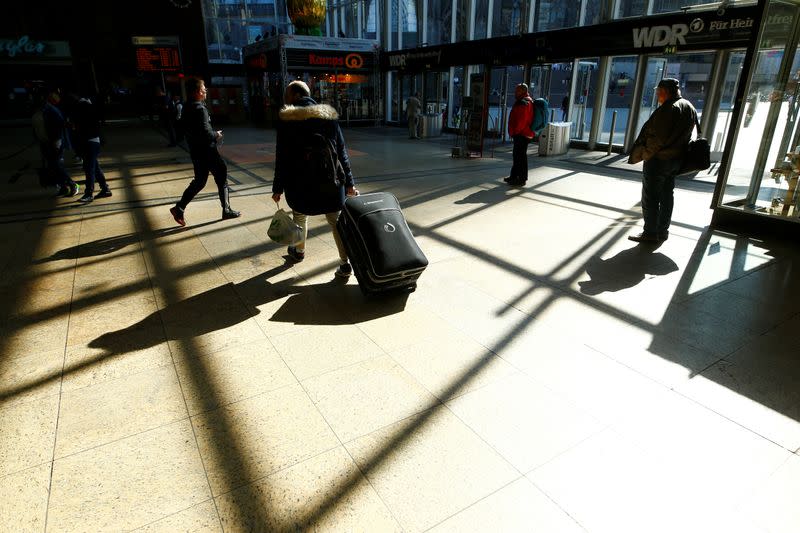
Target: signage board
(325,60)
(158,58)
(693,30)
(24,48)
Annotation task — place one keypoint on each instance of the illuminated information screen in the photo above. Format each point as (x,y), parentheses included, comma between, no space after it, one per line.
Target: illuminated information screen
(158,58)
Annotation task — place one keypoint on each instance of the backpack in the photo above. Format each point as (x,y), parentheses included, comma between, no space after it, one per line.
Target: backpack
(320,160)
(541,112)
(322,172)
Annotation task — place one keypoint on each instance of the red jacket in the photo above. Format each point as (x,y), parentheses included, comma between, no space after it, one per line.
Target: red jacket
(521,118)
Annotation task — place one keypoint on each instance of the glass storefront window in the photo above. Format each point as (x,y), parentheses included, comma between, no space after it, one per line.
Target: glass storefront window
(408,23)
(621,80)
(481,19)
(670,6)
(631,8)
(231,24)
(761,177)
(440,13)
(508,17)
(556,14)
(585,91)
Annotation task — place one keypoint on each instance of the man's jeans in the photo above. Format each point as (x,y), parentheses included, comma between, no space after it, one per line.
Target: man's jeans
(519,170)
(657,194)
(92,168)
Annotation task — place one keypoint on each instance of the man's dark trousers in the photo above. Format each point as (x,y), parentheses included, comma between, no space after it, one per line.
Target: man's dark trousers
(519,170)
(209,161)
(92,169)
(657,194)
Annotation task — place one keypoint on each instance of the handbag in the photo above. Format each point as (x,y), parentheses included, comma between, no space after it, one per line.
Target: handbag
(698,153)
(283,229)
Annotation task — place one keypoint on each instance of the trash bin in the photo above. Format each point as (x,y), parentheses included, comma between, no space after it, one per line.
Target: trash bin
(431,124)
(554,139)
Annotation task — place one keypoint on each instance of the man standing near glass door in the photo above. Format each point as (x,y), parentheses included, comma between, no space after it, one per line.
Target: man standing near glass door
(662,145)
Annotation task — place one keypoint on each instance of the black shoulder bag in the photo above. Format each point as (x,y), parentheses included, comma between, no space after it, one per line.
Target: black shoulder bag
(698,153)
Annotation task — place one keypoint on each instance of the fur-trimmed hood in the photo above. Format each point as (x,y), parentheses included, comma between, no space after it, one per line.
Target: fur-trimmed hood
(308,112)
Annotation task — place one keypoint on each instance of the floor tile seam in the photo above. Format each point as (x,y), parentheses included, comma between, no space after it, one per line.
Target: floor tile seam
(26,468)
(557,504)
(233,487)
(153,289)
(183,359)
(170,515)
(724,317)
(473,504)
(355,463)
(105,381)
(650,379)
(343,367)
(220,406)
(61,384)
(160,425)
(734,422)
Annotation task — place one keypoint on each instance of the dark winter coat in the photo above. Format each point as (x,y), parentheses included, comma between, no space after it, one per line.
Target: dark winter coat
(297,123)
(54,123)
(86,120)
(196,126)
(666,133)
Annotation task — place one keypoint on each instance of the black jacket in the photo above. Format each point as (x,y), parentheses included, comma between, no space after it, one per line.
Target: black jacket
(196,125)
(86,120)
(296,122)
(54,123)
(666,133)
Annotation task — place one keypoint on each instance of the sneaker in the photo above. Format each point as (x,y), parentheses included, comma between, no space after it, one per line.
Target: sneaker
(104,194)
(74,189)
(517,182)
(85,199)
(344,271)
(295,255)
(177,214)
(643,237)
(227,214)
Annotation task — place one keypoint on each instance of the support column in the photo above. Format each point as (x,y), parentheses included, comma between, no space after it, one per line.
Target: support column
(633,116)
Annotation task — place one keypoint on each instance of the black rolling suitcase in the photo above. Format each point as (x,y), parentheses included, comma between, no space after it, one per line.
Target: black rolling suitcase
(379,243)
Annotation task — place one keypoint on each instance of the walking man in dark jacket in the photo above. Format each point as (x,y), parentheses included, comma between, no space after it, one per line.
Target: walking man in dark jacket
(519,129)
(302,123)
(202,141)
(662,145)
(87,140)
(53,148)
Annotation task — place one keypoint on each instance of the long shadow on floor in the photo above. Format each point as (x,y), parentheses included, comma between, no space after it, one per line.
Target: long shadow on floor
(626,269)
(224,306)
(113,244)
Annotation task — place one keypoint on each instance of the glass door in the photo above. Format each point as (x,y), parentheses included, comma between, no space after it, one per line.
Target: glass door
(655,71)
(586,74)
(619,99)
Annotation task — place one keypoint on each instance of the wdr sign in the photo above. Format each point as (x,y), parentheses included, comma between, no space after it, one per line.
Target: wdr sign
(656,36)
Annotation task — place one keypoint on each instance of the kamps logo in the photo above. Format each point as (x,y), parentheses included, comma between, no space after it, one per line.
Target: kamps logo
(650,36)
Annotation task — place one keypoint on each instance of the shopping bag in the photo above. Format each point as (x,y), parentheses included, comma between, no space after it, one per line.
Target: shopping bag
(283,230)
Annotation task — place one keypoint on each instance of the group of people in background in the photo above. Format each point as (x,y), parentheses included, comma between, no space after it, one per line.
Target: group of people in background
(75,124)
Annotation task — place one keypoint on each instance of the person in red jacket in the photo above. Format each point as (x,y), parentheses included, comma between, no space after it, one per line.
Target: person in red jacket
(519,129)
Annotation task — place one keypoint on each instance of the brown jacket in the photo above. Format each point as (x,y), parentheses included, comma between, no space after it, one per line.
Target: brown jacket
(666,133)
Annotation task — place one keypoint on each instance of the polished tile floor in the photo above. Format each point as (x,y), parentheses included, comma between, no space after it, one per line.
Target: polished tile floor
(547,375)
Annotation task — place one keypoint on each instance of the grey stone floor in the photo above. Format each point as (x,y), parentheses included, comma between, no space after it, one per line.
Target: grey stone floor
(548,375)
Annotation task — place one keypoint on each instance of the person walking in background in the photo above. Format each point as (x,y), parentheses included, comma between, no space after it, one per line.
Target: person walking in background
(564,108)
(53,147)
(166,113)
(86,119)
(662,145)
(520,121)
(175,115)
(413,109)
(307,134)
(202,141)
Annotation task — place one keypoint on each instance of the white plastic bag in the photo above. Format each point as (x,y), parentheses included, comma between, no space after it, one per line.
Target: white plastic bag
(283,230)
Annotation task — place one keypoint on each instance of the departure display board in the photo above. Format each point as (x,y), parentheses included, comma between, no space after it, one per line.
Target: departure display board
(161,53)
(158,58)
